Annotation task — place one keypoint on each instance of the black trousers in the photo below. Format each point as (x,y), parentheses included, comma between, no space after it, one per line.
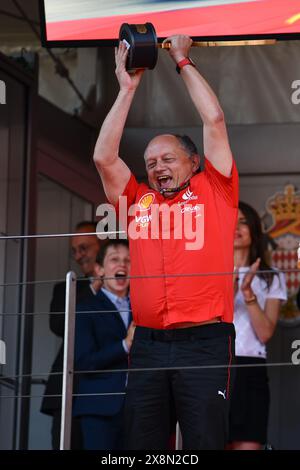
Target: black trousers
(194,373)
(249,406)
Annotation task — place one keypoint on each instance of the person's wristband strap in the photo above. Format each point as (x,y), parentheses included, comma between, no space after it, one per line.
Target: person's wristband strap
(183,62)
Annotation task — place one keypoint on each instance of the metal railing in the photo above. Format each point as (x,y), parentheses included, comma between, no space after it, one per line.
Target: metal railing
(69,342)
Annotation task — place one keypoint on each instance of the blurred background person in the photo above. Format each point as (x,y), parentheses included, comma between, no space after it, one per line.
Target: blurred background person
(104,333)
(84,250)
(258,297)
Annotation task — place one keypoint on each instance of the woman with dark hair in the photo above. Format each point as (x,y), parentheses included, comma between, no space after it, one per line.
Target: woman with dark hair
(259,291)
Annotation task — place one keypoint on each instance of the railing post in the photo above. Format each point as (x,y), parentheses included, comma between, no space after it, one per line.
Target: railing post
(178,440)
(68,365)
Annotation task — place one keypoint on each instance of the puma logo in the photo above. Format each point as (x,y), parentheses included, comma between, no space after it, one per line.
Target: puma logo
(222,393)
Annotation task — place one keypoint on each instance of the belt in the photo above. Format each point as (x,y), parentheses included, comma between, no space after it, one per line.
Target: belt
(211,330)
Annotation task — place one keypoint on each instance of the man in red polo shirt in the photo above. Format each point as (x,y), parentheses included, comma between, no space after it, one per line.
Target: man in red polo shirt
(182,290)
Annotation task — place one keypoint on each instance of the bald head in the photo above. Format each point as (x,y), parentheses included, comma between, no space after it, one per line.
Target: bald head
(169,163)
(85,247)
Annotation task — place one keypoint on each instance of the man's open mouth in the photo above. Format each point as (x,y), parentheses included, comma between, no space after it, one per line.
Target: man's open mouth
(164,182)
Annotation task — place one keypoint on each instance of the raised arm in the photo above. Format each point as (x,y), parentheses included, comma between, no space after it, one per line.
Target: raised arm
(215,139)
(113,171)
(263,321)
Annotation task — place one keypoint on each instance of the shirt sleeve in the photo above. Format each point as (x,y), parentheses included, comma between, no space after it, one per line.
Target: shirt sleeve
(278,288)
(128,196)
(226,187)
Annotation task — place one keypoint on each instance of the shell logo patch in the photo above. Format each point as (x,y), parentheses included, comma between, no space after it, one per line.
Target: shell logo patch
(146,201)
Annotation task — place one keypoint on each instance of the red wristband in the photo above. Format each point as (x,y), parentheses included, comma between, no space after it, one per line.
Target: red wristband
(183,62)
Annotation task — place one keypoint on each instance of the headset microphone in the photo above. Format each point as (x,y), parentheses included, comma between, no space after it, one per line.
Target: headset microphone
(174,190)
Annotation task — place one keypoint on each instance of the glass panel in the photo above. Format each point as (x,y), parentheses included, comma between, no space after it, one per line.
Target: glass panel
(13,132)
(284,381)
(59,211)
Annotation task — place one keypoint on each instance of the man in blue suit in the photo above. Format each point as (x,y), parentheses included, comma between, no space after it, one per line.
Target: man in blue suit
(84,251)
(104,333)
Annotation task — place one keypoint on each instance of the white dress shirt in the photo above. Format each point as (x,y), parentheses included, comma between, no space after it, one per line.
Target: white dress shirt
(123,307)
(246,342)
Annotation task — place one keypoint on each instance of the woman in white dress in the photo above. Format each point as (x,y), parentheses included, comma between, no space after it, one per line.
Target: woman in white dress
(258,296)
